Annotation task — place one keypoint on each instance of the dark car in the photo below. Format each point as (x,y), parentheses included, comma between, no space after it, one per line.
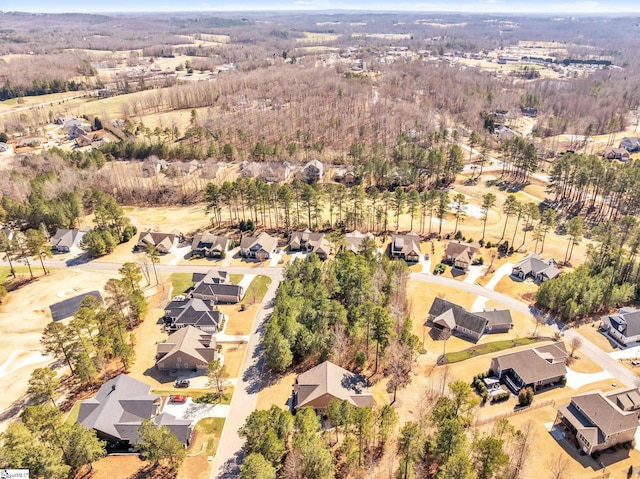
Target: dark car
(182,383)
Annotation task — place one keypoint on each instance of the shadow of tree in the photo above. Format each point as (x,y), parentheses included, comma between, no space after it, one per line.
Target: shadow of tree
(231,468)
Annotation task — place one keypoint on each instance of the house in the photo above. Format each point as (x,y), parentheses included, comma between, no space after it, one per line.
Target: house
(406,247)
(308,241)
(534,267)
(529,111)
(64,240)
(182,311)
(28,143)
(88,139)
(596,421)
(616,154)
(186,349)
(353,241)
(119,408)
(259,247)
(152,166)
(631,144)
(164,242)
(313,171)
(536,367)
(271,172)
(460,255)
(446,318)
(215,286)
(624,327)
(344,174)
(210,246)
(327,381)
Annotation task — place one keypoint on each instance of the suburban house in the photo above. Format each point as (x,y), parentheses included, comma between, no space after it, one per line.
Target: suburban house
(308,241)
(209,246)
(259,247)
(164,242)
(313,171)
(181,312)
(119,408)
(64,240)
(271,172)
(28,142)
(535,367)
(406,247)
(345,175)
(353,241)
(534,267)
(186,349)
(327,381)
(216,287)
(152,166)
(529,111)
(624,327)
(596,421)
(631,144)
(460,255)
(616,154)
(447,318)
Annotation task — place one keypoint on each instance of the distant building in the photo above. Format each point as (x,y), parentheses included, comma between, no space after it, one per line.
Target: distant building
(631,144)
(308,241)
(353,241)
(313,171)
(65,240)
(164,242)
(210,246)
(460,255)
(616,154)
(534,267)
(624,327)
(259,247)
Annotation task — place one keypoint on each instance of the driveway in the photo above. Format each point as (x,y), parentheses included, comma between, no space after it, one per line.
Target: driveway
(246,281)
(577,380)
(480,303)
(195,412)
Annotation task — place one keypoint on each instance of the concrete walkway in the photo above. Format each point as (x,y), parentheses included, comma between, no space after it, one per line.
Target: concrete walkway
(480,303)
(246,281)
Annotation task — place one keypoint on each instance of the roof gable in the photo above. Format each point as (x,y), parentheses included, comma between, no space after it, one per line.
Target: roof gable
(328,378)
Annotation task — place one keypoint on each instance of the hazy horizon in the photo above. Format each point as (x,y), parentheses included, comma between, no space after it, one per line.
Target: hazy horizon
(576,8)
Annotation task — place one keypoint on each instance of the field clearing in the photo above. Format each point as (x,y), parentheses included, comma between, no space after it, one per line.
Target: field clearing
(312,37)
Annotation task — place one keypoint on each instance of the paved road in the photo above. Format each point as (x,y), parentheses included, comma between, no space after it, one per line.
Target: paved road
(229,455)
(587,348)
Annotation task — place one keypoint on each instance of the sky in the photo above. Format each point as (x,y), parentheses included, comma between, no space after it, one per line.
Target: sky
(553,7)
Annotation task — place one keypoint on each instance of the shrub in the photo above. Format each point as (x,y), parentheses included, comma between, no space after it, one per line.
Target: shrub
(478,261)
(458,235)
(500,397)
(247,225)
(525,397)
(439,269)
(488,244)
(481,243)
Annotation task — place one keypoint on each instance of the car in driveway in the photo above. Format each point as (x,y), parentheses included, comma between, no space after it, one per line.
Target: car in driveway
(178,398)
(181,383)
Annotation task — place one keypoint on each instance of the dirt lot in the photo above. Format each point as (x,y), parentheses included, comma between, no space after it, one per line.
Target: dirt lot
(23,316)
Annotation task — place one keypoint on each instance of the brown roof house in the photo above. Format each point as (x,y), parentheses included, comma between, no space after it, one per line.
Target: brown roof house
(447,318)
(536,367)
(406,247)
(216,287)
(353,241)
(327,381)
(119,408)
(181,312)
(596,421)
(164,242)
(534,267)
(65,240)
(259,247)
(460,255)
(187,349)
(210,246)
(624,327)
(616,154)
(308,241)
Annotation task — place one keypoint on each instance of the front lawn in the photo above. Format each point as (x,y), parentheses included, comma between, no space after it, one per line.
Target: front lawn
(207,431)
(236,278)
(487,348)
(257,289)
(180,283)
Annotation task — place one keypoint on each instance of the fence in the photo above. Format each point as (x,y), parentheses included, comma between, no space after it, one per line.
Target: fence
(535,405)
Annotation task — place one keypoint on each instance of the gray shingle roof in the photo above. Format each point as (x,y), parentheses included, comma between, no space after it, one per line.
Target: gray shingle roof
(449,314)
(189,341)
(193,311)
(536,364)
(626,322)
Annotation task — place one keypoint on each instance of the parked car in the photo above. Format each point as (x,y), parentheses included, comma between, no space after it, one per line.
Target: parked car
(179,398)
(426,256)
(182,383)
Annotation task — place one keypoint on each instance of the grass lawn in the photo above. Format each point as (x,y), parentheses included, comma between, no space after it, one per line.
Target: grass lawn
(207,430)
(72,417)
(5,271)
(194,394)
(180,283)
(257,289)
(236,278)
(487,348)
